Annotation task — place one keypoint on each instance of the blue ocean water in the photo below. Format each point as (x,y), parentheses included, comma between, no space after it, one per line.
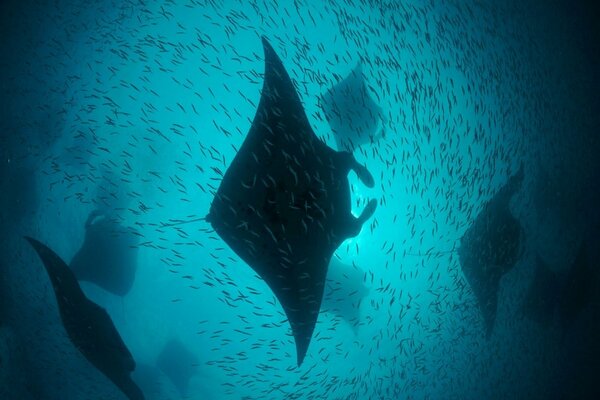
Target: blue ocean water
(136,108)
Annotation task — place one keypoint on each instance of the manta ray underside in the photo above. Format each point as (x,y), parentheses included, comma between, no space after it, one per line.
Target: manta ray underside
(491,247)
(353,115)
(88,325)
(108,256)
(284,203)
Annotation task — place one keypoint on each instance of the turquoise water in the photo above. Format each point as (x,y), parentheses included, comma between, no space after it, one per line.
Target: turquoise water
(134,107)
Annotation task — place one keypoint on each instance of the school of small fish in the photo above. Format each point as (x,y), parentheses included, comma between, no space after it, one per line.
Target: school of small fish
(157,96)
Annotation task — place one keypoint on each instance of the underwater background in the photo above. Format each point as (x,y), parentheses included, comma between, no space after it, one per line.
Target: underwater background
(136,108)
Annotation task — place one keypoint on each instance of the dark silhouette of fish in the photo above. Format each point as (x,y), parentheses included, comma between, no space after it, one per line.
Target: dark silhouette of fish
(491,247)
(354,117)
(88,325)
(178,364)
(108,256)
(284,203)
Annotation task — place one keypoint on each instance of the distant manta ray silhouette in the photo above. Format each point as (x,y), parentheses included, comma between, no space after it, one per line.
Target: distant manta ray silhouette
(108,256)
(284,203)
(489,248)
(352,114)
(88,325)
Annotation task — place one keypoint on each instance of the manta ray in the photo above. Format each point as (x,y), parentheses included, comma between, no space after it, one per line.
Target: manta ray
(178,364)
(88,325)
(344,292)
(284,203)
(491,247)
(108,256)
(542,296)
(354,117)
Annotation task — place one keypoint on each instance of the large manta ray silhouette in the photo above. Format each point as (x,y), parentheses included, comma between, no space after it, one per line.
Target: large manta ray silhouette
(284,203)
(491,247)
(108,256)
(88,325)
(351,112)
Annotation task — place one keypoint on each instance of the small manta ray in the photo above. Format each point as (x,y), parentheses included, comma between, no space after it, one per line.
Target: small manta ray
(344,292)
(88,325)
(178,364)
(351,112)
(108,256)
(284,203)
(541,299)
(491,247)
